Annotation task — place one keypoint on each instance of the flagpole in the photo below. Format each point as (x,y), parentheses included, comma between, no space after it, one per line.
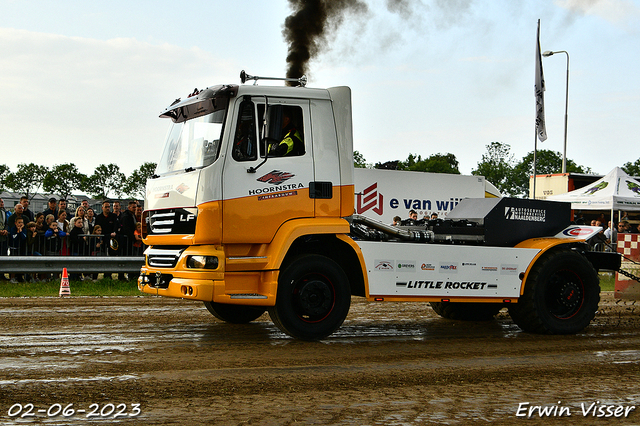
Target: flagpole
(541,132)
(535,153)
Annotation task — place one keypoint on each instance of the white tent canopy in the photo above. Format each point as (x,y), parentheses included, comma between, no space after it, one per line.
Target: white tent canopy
(615,191)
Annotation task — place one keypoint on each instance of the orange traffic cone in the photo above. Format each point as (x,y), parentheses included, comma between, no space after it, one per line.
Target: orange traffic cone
(64,284)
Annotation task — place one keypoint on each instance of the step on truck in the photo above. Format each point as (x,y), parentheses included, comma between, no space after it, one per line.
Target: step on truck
(251,209)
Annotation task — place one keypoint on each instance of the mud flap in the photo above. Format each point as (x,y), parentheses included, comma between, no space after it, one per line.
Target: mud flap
(604,260)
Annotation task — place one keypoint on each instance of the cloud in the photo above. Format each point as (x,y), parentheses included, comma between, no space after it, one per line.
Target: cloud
(618,12)
(93,101)
(44,67)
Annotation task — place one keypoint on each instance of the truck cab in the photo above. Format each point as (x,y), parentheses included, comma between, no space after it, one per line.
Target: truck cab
(224,201)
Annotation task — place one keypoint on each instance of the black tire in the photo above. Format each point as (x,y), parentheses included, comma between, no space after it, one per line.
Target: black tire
(466,311)
(561,295)
(235,314)
(313,298)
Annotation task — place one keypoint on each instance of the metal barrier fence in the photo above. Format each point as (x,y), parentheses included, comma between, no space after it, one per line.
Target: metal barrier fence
(89,253)
(74,264)
(80,244)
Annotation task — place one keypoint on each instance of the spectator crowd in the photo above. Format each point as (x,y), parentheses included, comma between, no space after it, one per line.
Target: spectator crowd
(57,231)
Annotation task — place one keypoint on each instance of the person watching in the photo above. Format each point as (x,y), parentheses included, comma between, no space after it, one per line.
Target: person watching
(18,212)
(413,219)
(18,243)
(52,209)
(30,217)
(4,232)
(62,207)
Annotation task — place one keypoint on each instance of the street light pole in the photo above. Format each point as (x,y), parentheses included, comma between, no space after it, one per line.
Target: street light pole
(566,107)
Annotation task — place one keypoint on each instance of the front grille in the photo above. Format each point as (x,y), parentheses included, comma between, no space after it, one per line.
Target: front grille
(162,223)
(171,221)
(163,258)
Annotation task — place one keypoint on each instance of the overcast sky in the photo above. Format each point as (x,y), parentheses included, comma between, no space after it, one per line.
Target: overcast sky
(84,82)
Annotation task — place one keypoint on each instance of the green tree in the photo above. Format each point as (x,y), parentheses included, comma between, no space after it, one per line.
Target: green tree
(632,169)
(497,166)
(4,172)
(389,165)
(436,163)
(27,179)
(63,179)
(106,179)
(547,162)
(359,161)
(136,183)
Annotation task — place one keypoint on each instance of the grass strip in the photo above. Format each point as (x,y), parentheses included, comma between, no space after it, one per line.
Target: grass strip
(103,287)
(607,281)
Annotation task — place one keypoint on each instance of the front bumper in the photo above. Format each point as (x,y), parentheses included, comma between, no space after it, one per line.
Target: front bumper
(247,287)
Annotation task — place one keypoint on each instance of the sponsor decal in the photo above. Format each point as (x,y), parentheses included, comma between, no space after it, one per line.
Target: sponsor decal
(489,269)
(424,206)
(275,177)
(428,267)
(383,265)
(274,189)
(164,195)
(633,187)
(443,285)
(161,188)
(525,213)
(369,199)
(278,195)
(186,217)
(405,266)
(449,267)
(508,269)
(596,188)
(468,264)
(577,231)
(182,188)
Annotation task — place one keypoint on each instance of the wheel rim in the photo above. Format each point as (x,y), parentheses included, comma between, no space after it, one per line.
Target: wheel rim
(313,298)
(565,294)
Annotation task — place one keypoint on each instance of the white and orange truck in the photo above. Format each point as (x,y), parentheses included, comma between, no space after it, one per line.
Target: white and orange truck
(246,228)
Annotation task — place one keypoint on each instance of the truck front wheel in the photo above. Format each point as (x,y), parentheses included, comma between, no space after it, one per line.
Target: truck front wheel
(561,295)
(235,314)
(313,298)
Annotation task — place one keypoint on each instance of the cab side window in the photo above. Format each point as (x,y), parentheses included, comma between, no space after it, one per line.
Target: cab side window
(285,131)
(245,146)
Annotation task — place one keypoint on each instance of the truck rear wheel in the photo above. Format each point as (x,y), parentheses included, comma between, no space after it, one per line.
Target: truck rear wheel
(561,295)
(235,314)
(466,311)
(313,298)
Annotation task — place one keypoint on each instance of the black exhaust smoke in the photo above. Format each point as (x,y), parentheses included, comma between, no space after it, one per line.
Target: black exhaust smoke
(306,29)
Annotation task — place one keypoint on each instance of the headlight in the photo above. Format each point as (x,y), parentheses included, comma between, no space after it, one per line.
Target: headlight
(202,262)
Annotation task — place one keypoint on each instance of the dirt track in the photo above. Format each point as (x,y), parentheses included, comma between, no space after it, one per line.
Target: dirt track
(390,364)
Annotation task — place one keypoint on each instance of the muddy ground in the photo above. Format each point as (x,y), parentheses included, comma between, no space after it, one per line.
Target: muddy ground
(390,364)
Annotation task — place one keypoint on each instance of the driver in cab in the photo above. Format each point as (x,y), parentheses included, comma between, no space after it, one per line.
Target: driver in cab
(291,142)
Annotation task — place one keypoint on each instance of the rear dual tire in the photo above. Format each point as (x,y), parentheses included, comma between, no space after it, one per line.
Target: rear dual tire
(561,295)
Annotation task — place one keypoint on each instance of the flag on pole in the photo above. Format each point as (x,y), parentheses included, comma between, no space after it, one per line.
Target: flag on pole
(539,91)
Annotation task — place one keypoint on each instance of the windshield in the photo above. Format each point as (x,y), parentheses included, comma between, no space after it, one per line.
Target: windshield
(192,144)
